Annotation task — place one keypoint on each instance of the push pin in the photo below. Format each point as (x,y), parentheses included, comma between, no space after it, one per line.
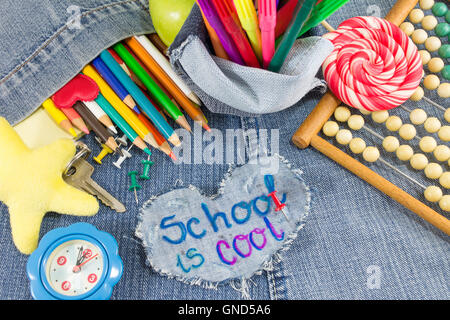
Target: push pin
(122,141)
(105,151)
(270,184)
(134,185)
(147,165)
(125,156)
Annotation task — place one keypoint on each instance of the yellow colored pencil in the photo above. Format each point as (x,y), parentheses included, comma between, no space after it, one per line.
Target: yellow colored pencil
(120,106)
(59,117)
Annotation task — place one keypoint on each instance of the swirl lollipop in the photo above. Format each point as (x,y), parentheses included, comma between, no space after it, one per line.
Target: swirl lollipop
(374,65)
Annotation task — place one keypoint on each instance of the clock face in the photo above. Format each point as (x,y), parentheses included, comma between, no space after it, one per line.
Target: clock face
(74,267)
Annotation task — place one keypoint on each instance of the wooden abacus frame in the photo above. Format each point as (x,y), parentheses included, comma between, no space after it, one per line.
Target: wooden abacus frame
(308,134)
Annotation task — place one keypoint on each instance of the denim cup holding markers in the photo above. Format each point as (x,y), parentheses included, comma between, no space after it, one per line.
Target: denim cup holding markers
(356,243)
(229,88)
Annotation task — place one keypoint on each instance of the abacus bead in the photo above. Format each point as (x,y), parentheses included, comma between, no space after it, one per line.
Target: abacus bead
(447,115)
(442,29)
(404,152)
(432,125)
(446,72)
(433,170)
(380,116)
(433,44)
(436,65)
(444,133)
(391,144)
(426,4)
(444,90)
(431,82)
(418,94)
(393,123)
(418,116)
(357,145)
(425,55)
(416,15)
(355,122)
(330,128)
(427,144)
(407,28)
(419,36)
(433,194)
(365,112)
(344,136)
(418,161)
(444,203)
(444,51)
(442,153)
(371,154)
(429,23)
(407,131)
(439,9)
(342,114)
(444,180)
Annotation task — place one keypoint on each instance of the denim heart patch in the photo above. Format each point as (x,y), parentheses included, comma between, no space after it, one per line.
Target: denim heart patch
(231,236)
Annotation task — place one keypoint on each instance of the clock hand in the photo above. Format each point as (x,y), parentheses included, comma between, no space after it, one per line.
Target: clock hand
(77,268)
(80,252)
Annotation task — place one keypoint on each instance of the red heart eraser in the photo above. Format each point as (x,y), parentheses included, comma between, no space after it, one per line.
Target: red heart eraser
(80,88)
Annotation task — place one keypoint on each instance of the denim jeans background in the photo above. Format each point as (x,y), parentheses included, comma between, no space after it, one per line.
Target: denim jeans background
(352,228)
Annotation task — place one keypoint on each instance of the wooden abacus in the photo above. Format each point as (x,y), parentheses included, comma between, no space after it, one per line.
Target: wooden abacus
(308,135)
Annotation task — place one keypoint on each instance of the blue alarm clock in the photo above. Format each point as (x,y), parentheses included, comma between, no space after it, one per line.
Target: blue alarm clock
(75,263)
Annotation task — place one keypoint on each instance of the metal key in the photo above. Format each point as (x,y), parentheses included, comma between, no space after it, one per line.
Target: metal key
(79,176)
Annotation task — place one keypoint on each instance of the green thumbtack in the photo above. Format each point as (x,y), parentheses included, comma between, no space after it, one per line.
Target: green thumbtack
(147,165)
(134,185)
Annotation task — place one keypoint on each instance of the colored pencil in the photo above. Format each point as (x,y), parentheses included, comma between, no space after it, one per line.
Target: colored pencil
(122,124)
(163,145)
(191,109)
(126,69)
(114,83)
(59,117)
(95,125)
(75,118)
(140,98)
(101,116)
(155,91)
(126,113)
(167,67)
(156,40)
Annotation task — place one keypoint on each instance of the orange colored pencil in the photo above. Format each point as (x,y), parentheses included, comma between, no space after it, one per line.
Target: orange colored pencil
(185,103)
(162,143)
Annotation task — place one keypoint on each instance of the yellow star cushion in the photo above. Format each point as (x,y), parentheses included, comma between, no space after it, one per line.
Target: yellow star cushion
(31,185)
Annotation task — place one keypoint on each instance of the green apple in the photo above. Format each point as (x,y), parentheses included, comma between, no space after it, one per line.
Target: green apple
(168,17)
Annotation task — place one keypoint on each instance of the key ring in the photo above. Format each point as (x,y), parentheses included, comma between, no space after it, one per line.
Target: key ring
(83,153)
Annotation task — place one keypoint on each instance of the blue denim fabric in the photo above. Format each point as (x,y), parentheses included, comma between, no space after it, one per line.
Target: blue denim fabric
(354,234)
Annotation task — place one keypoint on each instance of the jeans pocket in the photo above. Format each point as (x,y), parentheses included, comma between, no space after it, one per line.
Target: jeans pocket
(229,88)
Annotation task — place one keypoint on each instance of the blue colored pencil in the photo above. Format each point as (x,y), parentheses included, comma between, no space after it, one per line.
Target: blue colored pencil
(163,127)
(115,84)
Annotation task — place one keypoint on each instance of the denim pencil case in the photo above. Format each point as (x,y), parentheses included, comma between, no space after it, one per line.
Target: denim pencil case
(229,88)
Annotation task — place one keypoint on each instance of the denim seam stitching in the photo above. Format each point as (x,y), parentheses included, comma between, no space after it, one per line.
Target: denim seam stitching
(63,29)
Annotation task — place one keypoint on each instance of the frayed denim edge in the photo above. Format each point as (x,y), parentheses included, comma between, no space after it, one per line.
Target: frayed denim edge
(268,265)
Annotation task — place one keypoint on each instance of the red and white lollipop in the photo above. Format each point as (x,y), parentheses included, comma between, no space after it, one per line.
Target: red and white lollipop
(374,65)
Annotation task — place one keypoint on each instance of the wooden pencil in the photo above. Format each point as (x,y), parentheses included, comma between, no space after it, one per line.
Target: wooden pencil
(167,82)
